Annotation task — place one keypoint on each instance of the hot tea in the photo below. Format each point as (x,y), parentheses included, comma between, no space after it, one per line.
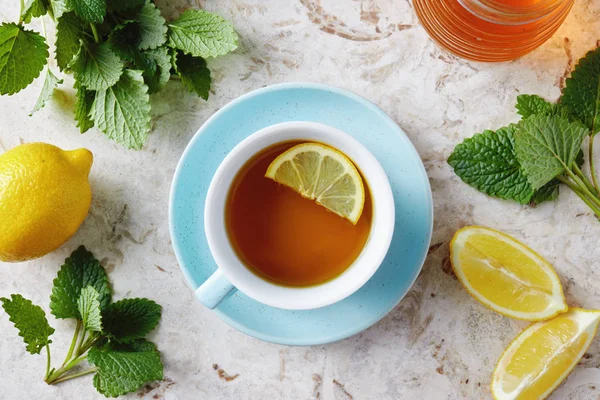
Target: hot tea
(285,238)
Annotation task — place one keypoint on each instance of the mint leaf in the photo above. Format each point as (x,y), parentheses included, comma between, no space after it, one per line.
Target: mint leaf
(194,74)
(69,33)
(30,320)
(58,8)
(83,106)
(50,83)
(546,146)
(581,94)
(202,34)
(23,54)
(531,104)
(487,162)
(33,8)
(97,67)
(121,5)
(80,270)
(153,31)
(157,68)
(125,39)
(88,306)
(123,110)
(548,192)
(131,319)
(134,346)
(122,370)
(92,11)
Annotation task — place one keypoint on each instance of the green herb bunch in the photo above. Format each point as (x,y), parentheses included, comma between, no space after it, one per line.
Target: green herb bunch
(110,336)
(119,52)
(528,161)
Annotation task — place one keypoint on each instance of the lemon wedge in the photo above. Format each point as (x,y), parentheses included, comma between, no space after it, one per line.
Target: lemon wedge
(505,275)
(323,174)
(542,356)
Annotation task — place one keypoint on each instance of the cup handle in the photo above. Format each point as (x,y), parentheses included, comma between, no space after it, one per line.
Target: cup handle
(216,288)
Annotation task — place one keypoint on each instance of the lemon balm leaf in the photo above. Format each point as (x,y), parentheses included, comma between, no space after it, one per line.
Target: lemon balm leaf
(125,39)
(30,320)
(488,163)
(58,8)
(92,11)
(130,319)
(153,28)
(96,67)
(70,30)
(79,271)
(122,5)
(123,110)
(83,106)
(50,83)
(547,146)
(581,94)
(157,68)
(202,34)
(194,74)
(23,54)
(33,8)
(124,369)
(89,309)
(531,104)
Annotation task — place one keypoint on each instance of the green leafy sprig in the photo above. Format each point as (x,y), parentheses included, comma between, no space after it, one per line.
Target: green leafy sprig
(526,162)
(109,336)
(119,53)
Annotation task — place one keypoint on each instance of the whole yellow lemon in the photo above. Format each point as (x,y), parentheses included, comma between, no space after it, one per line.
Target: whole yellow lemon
(44,197)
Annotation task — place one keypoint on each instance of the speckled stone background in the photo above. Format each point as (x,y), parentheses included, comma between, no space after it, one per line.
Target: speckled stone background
(438,343)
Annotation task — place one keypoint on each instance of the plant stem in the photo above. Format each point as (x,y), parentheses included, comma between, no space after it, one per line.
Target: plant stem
(59,372)
(583,188)
(81,339)
(95,32)
(591,161)
(77,375)
(581,195)
(584,179)
(21,12)
(87,345)
(47,361)
(72,347)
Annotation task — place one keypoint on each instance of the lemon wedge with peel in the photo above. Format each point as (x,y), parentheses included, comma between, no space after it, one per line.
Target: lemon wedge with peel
(506,275)
(542,356)
(323,174)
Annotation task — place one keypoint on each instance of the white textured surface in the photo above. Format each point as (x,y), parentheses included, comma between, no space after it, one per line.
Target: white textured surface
(438,343)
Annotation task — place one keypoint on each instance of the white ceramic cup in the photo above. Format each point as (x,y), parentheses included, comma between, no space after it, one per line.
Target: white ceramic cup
(232,274)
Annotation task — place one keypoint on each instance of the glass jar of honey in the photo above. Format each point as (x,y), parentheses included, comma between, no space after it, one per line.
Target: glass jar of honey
(491,30)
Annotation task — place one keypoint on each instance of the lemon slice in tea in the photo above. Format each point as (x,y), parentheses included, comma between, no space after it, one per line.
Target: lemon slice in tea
(505,275)
(321,173)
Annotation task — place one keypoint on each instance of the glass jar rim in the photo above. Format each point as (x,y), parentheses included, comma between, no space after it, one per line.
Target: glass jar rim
(498,11)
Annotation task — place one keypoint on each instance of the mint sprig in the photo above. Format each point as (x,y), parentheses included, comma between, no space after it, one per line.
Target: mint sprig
(109,336)
(546,147)
(30,320)
(23,54)
(79,271)
(105,44)
(125,368)
(202,34)
(50,83)
(130,319)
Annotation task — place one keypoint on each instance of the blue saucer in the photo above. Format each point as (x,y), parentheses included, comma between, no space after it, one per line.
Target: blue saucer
(353,115)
